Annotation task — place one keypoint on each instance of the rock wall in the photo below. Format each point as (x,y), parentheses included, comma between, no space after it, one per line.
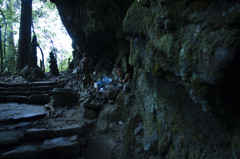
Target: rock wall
(185,87)
(96,28)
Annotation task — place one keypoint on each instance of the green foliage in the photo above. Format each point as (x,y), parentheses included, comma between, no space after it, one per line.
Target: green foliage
(42,14)
(64,56)
(9,9)
(47,37)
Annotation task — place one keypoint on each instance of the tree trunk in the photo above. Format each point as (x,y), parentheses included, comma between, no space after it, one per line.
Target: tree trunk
(2,14)
(11,45)
(1,51)
(10,34)
(25,34)
(10,63)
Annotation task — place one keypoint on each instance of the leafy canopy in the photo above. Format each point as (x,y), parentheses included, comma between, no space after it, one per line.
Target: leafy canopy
(45,23)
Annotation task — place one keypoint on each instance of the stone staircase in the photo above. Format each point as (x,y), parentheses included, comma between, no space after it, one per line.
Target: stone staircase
(31,93)
(26,133)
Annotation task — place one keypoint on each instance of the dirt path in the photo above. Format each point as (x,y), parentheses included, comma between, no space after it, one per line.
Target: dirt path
(96,148)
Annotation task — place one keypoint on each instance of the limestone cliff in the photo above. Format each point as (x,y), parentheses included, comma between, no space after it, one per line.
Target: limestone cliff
(185,87)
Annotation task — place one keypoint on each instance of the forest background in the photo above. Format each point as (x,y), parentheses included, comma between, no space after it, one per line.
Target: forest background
(50,32)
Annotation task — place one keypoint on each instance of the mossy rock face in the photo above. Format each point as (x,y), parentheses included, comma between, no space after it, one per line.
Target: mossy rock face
(186,57)
(183,129)
(181,38)
(133,20)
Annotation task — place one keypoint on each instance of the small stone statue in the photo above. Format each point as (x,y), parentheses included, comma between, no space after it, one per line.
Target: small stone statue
(85,71)
(53,64)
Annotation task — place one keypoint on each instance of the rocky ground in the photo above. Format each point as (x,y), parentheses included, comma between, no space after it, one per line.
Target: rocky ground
(183,56)
(34,127)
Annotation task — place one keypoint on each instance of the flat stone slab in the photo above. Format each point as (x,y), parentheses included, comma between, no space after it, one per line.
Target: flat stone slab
(30,88)
(14,88)
(59,142)
(39,83)
(62,147)
(14,126)
(6,93)
(24,93)
(8,138)
(3,84)
(43,83)
(40,88)
(17,112)
(36,92)
(22,152)
(42,134)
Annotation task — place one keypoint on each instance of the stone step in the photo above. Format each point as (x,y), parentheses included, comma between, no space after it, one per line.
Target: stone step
(41,83)
(62,147)
(10,138)
(6,93)
(32,93)
(43,134)
(13,112)
(19,125)
(35,88)
(17,98)
(26,93)
(32,99)
(3,99)
(38,99)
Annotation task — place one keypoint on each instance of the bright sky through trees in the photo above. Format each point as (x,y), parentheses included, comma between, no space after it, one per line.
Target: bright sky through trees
(50,33)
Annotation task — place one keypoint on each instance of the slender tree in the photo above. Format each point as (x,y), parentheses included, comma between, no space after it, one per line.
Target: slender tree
(10,33)
(1,50)
(1,41)
(10,51)
(10,58)
(25,34)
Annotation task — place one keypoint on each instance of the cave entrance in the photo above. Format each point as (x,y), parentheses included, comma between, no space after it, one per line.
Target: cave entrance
(51,34)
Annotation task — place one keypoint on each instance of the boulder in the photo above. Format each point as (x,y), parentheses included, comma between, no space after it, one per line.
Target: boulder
(106,116)
(96,104)
(89,114)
